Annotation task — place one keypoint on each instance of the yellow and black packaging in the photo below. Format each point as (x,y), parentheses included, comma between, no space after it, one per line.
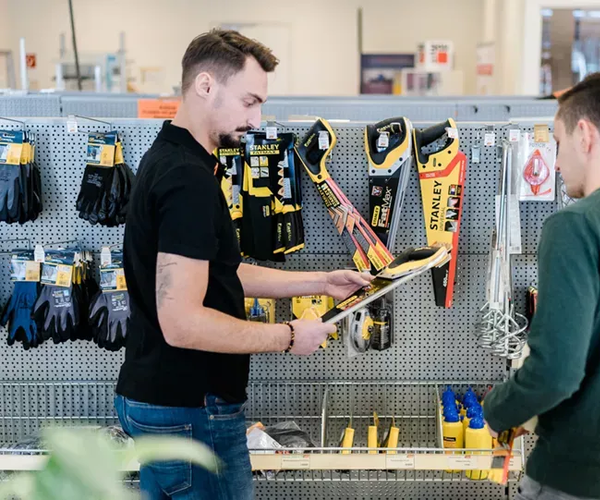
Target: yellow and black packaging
(363,244)
(389,150)
(442,177)
(231,184)
(320,304)
(271,219)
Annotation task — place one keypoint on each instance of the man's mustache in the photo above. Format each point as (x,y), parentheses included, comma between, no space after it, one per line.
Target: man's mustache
(243,129)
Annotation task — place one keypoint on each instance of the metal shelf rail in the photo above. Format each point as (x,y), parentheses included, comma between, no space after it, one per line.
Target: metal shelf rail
(321,409)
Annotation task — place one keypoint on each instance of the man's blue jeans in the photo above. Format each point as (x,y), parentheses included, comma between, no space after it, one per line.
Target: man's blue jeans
(219,425)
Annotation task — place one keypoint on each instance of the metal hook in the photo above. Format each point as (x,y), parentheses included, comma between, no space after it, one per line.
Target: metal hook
(270,123)
(22,123)
(77,242)
(94,120)
(15,239)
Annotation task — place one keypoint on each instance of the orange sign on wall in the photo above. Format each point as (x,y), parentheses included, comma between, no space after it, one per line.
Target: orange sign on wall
(31,61)
(158,108)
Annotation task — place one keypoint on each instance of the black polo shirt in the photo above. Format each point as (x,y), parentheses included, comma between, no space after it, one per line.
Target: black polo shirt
(177,207)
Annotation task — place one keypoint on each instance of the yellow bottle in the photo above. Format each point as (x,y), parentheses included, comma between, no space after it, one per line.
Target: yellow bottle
(372,435)
(347,440)
(452,431)
(478,437)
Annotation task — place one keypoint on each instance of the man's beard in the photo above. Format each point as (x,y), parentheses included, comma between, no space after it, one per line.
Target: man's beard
(229,141)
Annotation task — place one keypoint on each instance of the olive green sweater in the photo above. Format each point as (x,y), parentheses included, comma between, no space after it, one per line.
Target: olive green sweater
(560,380)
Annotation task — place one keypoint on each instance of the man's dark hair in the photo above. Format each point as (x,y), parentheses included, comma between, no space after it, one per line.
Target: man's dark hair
(581,101)
(223,53)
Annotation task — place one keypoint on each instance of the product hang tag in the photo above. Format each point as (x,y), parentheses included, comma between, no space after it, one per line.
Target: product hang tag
(72,124)
(476,153)
(105,257)
(38,254)
(64,275)
(514,135)
(271,131)
(323,140)
(541,133)
(489,139)
(383,141)
(452,132)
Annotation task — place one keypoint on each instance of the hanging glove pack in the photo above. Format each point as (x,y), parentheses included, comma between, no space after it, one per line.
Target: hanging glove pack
(20,180)
(109,309)
(17,313)
(107,181)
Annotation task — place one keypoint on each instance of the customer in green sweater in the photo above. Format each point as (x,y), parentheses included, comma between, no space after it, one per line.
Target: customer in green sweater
(560,380)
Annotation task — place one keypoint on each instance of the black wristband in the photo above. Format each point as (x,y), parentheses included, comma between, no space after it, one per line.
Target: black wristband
(292,336)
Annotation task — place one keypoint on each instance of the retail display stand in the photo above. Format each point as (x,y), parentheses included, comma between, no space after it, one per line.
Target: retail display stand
(74,382)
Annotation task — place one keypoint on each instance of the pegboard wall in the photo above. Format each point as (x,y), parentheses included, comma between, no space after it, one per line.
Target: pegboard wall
(431,343)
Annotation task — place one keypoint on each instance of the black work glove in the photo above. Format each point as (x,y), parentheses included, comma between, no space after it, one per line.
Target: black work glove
(56,313)
(94,189)
(109,317)
(10,193)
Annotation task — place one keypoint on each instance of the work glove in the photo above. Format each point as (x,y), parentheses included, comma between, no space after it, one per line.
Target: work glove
(56,313)
(17,315)
(129,180)
(94,188)
(84,292)
(10,193)
(109,317)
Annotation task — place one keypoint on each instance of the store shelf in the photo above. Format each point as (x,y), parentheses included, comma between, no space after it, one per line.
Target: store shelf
(321,409)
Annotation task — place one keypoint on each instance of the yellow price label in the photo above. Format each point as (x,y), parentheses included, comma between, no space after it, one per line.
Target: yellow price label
(121,283)
(13,155)
(119,154)
(64,275)
(541,133)
(32,271)
(107,155)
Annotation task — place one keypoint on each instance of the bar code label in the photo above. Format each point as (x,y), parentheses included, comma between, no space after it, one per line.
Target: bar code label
(400,461)
(452,132)
(271,133)
(298,462)
(461,462)
(489,139)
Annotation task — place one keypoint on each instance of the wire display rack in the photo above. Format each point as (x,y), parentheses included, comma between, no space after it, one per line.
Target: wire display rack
(321,409)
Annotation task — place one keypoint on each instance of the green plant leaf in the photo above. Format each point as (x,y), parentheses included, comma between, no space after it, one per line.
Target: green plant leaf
(21,485)
(83,465)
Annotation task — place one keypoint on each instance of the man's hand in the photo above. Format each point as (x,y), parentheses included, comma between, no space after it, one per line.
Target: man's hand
(309,335)
(340,284)
(521,431)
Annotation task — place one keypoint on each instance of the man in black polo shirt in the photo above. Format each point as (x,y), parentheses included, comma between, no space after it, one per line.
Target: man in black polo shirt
(187,357)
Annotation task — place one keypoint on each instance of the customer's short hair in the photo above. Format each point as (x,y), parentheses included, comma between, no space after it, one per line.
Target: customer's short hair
(581,102)
(223,53)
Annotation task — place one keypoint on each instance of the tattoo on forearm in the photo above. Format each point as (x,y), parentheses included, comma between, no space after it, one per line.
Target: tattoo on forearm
(163,279)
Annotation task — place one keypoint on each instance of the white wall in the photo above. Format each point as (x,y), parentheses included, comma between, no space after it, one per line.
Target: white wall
(323,33)
(325,61)
(531,36)
(398,26)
